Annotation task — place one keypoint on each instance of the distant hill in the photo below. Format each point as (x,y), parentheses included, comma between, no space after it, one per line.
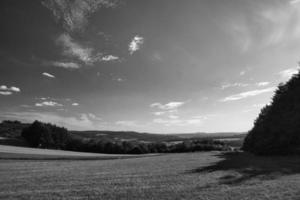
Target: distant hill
(218,135)
(11,130)
(277,128)
(10,133)
(126,135)
(151,137)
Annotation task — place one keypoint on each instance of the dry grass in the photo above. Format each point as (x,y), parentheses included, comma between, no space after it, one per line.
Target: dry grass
(209,175)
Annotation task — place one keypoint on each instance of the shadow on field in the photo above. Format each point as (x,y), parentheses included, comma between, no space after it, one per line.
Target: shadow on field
(243,166)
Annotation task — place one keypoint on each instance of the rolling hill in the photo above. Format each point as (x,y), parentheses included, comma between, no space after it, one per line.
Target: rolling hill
(10,134)
(126,135)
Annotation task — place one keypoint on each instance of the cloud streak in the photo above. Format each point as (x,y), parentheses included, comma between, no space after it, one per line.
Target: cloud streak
(48,104)
(288,73)
(247,94)
(179,122)
(48,75)
(261,84)
(229,85)
(66,65)
(168,106)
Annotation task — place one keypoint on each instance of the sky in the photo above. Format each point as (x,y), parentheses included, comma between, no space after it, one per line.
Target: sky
(155,66)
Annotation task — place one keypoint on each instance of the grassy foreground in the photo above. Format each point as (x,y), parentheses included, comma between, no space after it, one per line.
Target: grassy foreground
(209,175)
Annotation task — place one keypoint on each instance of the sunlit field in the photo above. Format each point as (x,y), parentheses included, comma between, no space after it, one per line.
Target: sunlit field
(209,175)
(25,153)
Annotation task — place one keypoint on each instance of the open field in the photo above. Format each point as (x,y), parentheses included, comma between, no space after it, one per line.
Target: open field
(209,175)
(25,153)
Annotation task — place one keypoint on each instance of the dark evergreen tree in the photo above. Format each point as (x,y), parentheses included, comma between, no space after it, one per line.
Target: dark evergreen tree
(277,128)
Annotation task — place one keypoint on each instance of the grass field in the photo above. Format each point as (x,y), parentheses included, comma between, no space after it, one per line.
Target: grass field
(209,175)
(25,153)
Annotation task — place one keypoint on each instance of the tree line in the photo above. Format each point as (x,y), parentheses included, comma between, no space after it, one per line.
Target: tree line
(46,135)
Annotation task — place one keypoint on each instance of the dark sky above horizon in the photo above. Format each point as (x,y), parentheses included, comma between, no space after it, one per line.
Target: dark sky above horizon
(152,66)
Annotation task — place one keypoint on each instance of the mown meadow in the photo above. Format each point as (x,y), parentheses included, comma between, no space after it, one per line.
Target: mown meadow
(202,175)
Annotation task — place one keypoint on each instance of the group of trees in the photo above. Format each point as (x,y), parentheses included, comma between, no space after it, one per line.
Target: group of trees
(277,128)
(11,129)
(138,147)
(44,135)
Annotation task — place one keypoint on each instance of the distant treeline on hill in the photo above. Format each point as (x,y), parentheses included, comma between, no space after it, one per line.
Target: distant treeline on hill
(45,135)
(277,128)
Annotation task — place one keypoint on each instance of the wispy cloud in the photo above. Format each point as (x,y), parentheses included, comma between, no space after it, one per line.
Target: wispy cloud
(83,54)
(245,71)
(294,2)
(135,44)
(158,113)
(288,73)
(166,112)
(157,56)
(261,84)
(229,85)
(73,15)
(66,65)
(173,116)
(4,90)
(168,106)
(110,58)
(118,79)
(242,73)
(241,34)
(48,103)
(75,50)
(281,18)
(54,102)
(247,94)
(239,85)
(48,75)
(93,116)
(179,122)
(44,98)
(127,123)
(5,93)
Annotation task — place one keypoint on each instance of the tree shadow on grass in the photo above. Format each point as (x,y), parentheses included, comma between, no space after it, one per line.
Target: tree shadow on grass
(242,166)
